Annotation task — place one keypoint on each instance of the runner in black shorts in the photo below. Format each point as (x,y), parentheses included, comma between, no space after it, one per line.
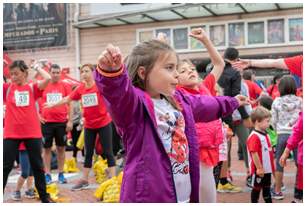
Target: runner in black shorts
(55,122)
(53,130)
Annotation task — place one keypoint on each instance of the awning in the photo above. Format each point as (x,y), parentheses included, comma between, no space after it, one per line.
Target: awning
(180,12)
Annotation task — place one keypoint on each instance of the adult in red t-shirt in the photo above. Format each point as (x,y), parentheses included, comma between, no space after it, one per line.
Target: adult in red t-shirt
(254,89)
(293,64)
(55,122)
(22,124)
(97,121)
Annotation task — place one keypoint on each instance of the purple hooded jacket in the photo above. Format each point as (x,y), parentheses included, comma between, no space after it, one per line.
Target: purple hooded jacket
(147,173)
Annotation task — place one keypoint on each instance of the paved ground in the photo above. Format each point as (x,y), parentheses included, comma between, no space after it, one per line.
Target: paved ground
(238,173)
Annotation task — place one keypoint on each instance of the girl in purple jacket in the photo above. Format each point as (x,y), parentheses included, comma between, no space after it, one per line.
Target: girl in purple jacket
(156,122)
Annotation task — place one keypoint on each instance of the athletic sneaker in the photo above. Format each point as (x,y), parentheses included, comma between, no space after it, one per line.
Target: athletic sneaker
(16,196)
(277,195)
(61,178)
(30,194)
(228,187)
(283,188)
(48,179)
(81,185)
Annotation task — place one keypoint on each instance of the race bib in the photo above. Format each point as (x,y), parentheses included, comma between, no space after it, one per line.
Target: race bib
(22,98)
(53,98)
(89,100)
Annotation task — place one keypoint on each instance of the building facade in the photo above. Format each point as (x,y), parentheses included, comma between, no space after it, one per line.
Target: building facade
(257,30)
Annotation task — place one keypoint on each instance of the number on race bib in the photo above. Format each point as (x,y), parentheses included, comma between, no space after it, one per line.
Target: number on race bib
(89,100)
(22,98)
(53,98)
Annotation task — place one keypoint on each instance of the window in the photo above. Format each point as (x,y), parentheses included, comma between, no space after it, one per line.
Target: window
(276,33)
(256,32)
(180,38)
(236,34)
(248,33)
(296,29)
(217,35)
(145,35)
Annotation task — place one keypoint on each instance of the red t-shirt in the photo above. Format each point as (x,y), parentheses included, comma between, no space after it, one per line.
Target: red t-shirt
(254,90)
(94,109)
(21,118)
(273,91)
(207,87)
(295,65)
(260,143)
(53,93)
(210,82)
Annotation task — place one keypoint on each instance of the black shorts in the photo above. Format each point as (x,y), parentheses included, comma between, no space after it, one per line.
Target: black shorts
(260,182)
(54,130)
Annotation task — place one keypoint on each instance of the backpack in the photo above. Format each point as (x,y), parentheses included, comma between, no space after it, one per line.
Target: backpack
(272,135)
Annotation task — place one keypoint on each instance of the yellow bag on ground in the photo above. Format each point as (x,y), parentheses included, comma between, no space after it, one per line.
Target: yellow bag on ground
(53,191)
(81,141)
(112,193)
(109,191)
(120,176)
(99,169)
(70,166)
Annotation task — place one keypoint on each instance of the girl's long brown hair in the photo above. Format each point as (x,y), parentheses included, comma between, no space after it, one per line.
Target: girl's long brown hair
(145,55)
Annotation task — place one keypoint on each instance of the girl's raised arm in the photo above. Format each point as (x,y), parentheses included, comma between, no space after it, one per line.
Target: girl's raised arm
(216,59)
(121,98)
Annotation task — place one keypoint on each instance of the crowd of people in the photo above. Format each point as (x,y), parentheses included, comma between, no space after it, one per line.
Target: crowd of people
(176,129)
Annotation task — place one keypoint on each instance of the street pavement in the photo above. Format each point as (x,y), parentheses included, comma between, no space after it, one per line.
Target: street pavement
(87,196)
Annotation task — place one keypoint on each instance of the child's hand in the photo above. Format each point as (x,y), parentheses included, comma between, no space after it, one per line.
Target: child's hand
(283,159)
(199,34)
(110,59)
(41,119)
(229,131)
(260,172)
(242,100)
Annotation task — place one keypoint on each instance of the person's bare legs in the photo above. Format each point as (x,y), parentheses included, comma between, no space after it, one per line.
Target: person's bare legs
(47,159)
(30,182)
(20,183)
(278,181)
(112,171)
(86,173)
(60,158)
(223,173)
